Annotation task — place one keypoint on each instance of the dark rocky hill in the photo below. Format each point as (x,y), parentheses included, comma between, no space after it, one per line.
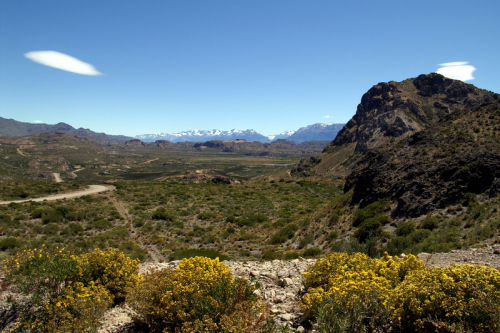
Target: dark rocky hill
(434,168)
(391,112)
(11,127)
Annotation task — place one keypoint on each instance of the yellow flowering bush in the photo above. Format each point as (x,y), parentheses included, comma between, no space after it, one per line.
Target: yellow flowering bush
(73,290)
(456,298)
(41,273)
(111,268)
(200,295)
(353,292)
(396,269)
(78,309)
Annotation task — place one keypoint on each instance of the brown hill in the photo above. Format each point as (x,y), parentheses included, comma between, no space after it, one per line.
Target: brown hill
(390,112)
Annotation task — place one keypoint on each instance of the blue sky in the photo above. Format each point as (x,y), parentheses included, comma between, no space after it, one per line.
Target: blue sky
(268,65)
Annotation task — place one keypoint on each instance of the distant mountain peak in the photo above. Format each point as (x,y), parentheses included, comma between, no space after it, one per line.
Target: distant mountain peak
(315,132)
(205,135)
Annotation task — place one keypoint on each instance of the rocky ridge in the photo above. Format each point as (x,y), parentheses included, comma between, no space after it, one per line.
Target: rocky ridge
(435,167)
(391,111)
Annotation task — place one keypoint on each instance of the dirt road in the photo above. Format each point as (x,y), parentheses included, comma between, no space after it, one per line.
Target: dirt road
(91,190)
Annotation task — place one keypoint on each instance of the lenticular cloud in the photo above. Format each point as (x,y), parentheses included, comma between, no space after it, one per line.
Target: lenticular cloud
(62,61)
(457,70)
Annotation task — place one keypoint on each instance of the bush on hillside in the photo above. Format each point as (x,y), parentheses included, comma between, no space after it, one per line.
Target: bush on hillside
(201,295)
(110,268)
(353,293)
(460,298)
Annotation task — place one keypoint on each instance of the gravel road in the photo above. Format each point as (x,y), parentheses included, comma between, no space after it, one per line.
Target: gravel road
(91,190)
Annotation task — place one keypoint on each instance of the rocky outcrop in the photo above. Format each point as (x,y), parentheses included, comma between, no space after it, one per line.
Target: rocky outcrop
(400,109)
(436,167)
(393,111)
(201,176)
(135,143)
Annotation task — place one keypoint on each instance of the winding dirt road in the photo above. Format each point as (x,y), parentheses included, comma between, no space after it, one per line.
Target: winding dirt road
(91,190)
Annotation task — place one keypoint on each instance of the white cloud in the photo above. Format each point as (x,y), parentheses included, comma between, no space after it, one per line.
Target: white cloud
(326,116)
(62,61)
(459,70)
(38,121)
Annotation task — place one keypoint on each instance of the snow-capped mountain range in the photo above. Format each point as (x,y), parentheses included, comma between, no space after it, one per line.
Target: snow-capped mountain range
(316,132)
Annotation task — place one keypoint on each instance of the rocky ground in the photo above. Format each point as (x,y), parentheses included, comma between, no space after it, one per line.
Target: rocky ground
(282,284)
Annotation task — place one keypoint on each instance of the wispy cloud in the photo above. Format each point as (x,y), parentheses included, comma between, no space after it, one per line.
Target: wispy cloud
(62,61)
(38,121)
(326,116)
(459,70)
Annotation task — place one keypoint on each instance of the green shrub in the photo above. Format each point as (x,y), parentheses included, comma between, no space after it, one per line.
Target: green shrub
(429,223)
(419,235)
(332,236)
(207,216)
(37,213)
(306,240)
(312,252)
(162,215)
(277,239)
(369,228)
(284,234)
(53,216)
(398,245)
(9,243)
(231,219)
(244,223)
(270,255)
(405,228)
(372,210)
(74,216)
(291,255)
(258,218)
(101,224)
